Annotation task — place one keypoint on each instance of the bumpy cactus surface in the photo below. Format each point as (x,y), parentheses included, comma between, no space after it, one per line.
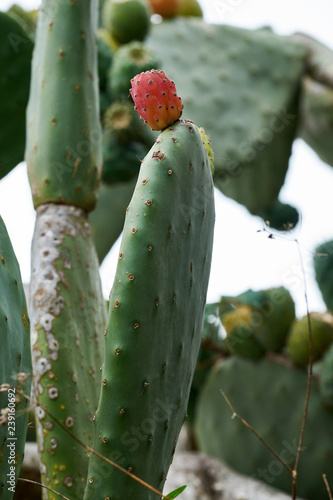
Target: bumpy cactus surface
(15,367)
(155,316)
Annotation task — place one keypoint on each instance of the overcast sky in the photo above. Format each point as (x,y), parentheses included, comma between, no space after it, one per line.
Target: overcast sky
(243,257)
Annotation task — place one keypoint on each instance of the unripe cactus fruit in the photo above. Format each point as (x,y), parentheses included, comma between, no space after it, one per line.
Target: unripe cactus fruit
(298,338)
(155,98)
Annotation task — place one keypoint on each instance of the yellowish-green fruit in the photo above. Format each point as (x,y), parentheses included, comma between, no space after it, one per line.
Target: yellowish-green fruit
(189,8)
(298,338)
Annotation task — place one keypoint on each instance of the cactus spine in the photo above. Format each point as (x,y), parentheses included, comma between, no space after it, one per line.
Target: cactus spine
(155,316)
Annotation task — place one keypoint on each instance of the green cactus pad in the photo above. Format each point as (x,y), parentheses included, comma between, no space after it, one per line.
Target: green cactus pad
(127,20)
(316,118)
(107,220)
(15,59)
(129,60)
(298,339)
(270,396)
(68,317)
(15,367)
(63,129)
(155,319)
(280,216)
(242,86)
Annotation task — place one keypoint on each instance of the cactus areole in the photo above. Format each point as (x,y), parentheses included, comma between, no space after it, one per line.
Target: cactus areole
(155,98)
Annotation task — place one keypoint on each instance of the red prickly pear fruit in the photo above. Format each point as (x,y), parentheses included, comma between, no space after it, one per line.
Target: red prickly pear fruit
(155,98)
(165,8)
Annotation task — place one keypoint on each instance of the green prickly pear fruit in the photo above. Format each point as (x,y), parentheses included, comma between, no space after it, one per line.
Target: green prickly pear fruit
(280,216)
(208,145)
(273,311)
(323,265)
(126,20)
(15,367)
(122,122)
(129,60)
(189,8)
(240,338)
(297,344)
(26,19)
(156,310)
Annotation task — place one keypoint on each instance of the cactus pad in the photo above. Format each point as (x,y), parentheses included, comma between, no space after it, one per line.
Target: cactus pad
(242,86)
(15,367)
(156,310)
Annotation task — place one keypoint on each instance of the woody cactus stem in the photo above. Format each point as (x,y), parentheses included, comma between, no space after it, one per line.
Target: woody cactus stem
(155,317)
(68,311)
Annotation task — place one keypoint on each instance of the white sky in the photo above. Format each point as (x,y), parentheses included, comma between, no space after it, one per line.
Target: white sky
(243,258)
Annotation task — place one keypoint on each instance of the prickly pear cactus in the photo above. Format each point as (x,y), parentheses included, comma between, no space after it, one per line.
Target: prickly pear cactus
(268,394)
(242,86)
(15,56)
(15,367)
(155,316)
